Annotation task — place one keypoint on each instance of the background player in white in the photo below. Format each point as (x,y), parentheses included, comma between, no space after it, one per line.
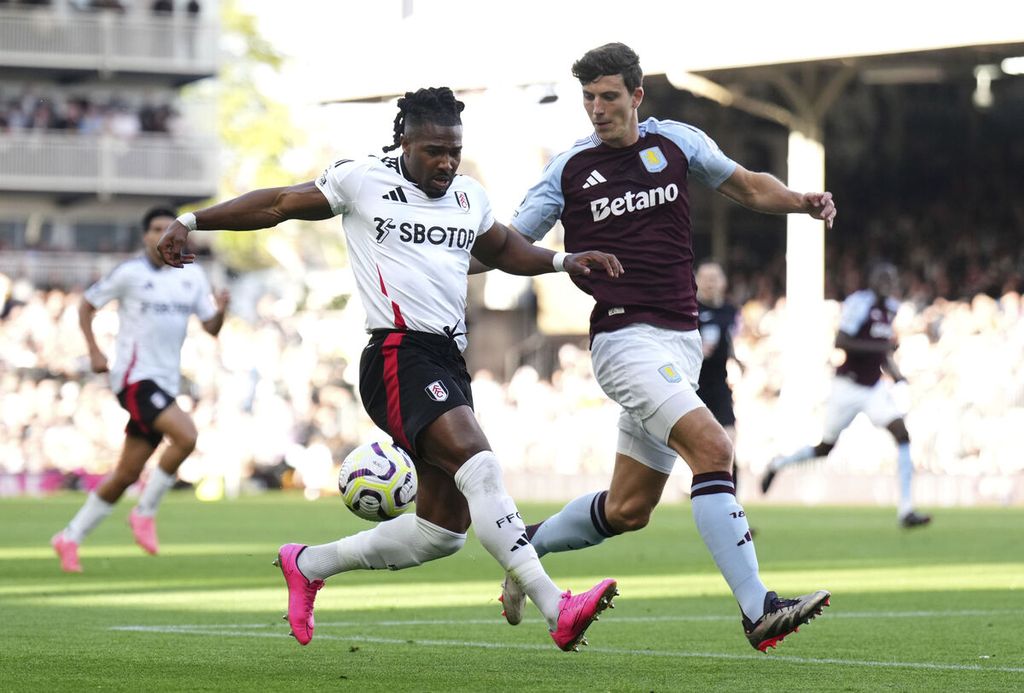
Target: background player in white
(624,189)
(411,223)
(866,335)
(154,305)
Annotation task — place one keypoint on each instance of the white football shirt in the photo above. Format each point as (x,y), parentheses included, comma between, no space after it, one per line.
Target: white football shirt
(409,252)
(154,305)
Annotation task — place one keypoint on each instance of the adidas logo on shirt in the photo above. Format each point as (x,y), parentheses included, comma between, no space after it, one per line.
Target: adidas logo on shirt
(396,195)
(593,179)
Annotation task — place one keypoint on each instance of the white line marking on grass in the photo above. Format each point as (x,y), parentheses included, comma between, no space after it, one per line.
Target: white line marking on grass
(227,632)
(621,619)
(701,617)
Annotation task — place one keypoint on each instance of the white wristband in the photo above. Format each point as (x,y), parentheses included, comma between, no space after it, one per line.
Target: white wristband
(558,260)
(188,220)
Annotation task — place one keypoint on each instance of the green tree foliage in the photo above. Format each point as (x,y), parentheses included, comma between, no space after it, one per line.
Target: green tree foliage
(256,132)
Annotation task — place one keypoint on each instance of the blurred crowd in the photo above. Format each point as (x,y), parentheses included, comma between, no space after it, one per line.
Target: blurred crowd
(946,209)
(275,402)
(31,110)
(157,7)
(941,254)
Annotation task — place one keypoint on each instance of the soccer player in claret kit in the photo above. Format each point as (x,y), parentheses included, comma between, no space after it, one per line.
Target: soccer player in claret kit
(866,335)
(411,223)
(154,306)
(624,188)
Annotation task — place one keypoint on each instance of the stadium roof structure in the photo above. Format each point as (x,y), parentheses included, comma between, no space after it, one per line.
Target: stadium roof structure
(472,45)
(808,51)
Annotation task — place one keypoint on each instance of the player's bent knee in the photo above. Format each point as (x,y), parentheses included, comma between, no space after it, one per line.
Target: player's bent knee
(441,545)
(628,517)
(718,454)
(185,443)
(431,542)
(631,523)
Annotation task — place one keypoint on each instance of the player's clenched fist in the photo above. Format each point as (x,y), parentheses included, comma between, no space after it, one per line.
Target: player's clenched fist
(172,246)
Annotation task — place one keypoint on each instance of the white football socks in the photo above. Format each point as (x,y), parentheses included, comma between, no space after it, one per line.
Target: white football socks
(723,526)
(500,528)
(89,516)
(403,542)
(158,484)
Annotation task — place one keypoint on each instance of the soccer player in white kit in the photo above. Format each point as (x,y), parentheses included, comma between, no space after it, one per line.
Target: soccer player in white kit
(411,223)
(154,306)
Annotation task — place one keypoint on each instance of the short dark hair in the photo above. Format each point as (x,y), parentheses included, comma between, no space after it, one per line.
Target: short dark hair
(436,105)
(154,213)
(610,59)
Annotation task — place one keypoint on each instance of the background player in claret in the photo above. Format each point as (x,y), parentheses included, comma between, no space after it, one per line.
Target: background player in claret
(411,223)
(624,188)
(866,335)
(154,305)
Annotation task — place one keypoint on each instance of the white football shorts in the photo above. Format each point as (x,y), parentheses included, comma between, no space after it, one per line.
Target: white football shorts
(848,399)
(652,373)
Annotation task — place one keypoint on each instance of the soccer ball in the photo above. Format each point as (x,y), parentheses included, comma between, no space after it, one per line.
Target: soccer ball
(377,481)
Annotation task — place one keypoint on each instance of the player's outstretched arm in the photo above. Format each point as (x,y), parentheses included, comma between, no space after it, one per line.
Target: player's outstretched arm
(764,192)
(506,249)
(259,209)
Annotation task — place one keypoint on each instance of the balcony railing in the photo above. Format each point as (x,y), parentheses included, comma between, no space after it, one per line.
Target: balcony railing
(106,42)
(63,269)
(72,163)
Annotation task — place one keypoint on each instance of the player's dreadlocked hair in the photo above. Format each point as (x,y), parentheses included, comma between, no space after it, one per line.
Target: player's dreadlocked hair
(436,105)
(610,59)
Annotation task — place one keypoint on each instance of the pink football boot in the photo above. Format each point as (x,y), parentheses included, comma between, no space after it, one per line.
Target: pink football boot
(575,614)
(67,551)
(301,592)
(144,529)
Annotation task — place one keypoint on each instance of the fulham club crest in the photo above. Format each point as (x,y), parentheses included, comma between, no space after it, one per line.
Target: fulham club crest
(437,391)
(463,200)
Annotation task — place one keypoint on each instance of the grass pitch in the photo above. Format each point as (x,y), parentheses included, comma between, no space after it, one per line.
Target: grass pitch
(933,609)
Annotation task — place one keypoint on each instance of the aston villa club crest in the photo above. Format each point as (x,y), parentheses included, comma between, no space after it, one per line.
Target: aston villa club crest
(437,391)
(463,199)
(670,374)
(654,160)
